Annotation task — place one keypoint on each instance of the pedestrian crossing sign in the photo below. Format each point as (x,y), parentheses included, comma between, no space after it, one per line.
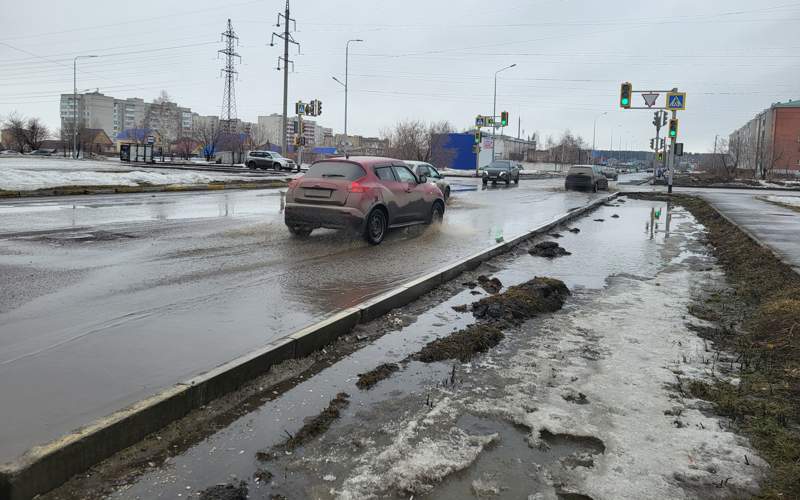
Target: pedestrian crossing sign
(676,101)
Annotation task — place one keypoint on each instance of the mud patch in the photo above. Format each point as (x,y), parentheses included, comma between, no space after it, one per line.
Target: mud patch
(599,220)
(491,285)
(548,249)
(369,379)
(556,235)
(521,302)
(310,430)
(462,345)
(225,492)
(574,230)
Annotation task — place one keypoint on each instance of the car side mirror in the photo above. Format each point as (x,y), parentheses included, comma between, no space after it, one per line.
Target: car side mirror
(422,179)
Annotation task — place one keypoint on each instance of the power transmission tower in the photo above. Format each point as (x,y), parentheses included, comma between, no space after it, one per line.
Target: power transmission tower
(287,39)
(229,73)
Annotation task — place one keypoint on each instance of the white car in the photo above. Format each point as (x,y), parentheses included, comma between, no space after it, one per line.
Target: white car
(431,174)
(268,160)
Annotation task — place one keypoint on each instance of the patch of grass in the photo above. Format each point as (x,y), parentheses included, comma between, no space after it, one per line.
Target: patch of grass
(313,427)
(527,300)
(765,405)
(372,377)
(462,345)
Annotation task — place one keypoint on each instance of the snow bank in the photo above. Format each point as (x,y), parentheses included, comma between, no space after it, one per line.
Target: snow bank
(24,174)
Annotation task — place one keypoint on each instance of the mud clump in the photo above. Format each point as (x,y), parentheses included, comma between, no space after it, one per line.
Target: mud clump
(548,249)
(225,492)
(615,216)
(369,379)
(556,235)
(574,230)
(599,220)
(310,430)
(491,285)
(462,345)
(521,302)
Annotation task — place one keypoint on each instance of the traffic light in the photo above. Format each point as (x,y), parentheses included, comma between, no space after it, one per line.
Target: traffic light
(673,128)
(660,156)
(297,139)
(318,108)
(504,119)
(478,136)
(626,95)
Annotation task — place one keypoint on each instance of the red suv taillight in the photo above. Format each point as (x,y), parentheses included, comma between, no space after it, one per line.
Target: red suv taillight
(294,182)
(357,187)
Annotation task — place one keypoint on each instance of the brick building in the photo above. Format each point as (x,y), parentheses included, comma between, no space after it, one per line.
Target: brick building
(770,142)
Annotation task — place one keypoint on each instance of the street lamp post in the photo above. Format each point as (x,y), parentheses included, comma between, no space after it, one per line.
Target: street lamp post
(346,77)
(594,132)
(494,104)
(75,103)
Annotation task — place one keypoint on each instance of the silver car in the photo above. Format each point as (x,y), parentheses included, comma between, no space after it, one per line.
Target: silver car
(421,168)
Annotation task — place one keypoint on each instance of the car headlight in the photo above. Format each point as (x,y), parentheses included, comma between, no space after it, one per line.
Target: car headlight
(502,174)
(484,173)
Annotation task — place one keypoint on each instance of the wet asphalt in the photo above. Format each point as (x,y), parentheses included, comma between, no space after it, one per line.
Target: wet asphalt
(108,299)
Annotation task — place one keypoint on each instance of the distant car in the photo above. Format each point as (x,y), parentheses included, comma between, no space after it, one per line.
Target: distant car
(42,152)
(611,174)
(9,152)
(421,168)
(268,160)
(363,193)
(501,171)
(586,177)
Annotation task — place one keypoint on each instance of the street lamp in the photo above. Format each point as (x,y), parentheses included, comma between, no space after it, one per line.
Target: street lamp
(594,132)
(75,103)
(346,77)
(494,105)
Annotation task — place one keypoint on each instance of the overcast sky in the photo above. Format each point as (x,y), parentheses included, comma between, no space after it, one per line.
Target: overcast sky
(429,60)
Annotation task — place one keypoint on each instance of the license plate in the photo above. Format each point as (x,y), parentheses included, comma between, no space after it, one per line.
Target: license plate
(317,193)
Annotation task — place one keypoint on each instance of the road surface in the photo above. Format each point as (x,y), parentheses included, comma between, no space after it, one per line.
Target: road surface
(109,299)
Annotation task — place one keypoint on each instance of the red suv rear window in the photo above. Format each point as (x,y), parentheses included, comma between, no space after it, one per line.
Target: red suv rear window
(335,170)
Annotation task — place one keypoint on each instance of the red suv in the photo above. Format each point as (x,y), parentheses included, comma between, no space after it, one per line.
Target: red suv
(363,193)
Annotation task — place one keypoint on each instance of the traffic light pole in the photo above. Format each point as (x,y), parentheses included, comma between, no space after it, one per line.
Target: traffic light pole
(671,159)
(300,147)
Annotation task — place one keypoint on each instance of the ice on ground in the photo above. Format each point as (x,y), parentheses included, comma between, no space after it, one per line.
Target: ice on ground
(414,462)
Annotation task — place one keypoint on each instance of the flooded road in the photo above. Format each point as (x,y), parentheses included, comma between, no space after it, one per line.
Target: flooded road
(108,299)
(577,404)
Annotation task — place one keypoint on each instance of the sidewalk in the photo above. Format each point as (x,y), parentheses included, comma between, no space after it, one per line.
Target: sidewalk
(771,225)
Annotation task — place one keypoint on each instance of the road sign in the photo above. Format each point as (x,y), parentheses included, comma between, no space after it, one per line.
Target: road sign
(678,149)
(300,108)
(151,139)
(676,101)
(650,99)
(480,121)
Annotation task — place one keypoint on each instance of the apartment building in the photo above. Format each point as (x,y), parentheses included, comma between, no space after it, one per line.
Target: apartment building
(770,142)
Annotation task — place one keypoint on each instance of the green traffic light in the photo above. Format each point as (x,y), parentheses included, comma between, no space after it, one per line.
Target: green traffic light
(672,133)
(625,101)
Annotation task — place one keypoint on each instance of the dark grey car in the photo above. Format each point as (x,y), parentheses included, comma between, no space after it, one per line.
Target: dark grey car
(585,177)
(501,171)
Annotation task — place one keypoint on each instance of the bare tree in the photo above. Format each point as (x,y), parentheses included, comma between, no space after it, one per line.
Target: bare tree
(208,134)
(185,146)
(259,136)
(15,125)
(724,162)
(771,160)
(35,133)
(414,140)
(163,116)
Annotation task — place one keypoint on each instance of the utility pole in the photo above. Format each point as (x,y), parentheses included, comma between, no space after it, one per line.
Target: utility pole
(229,73)
(494,105)
(287,39)
(75,103)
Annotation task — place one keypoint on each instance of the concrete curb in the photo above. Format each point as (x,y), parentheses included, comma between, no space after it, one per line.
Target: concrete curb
(46,467)
(166,188)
